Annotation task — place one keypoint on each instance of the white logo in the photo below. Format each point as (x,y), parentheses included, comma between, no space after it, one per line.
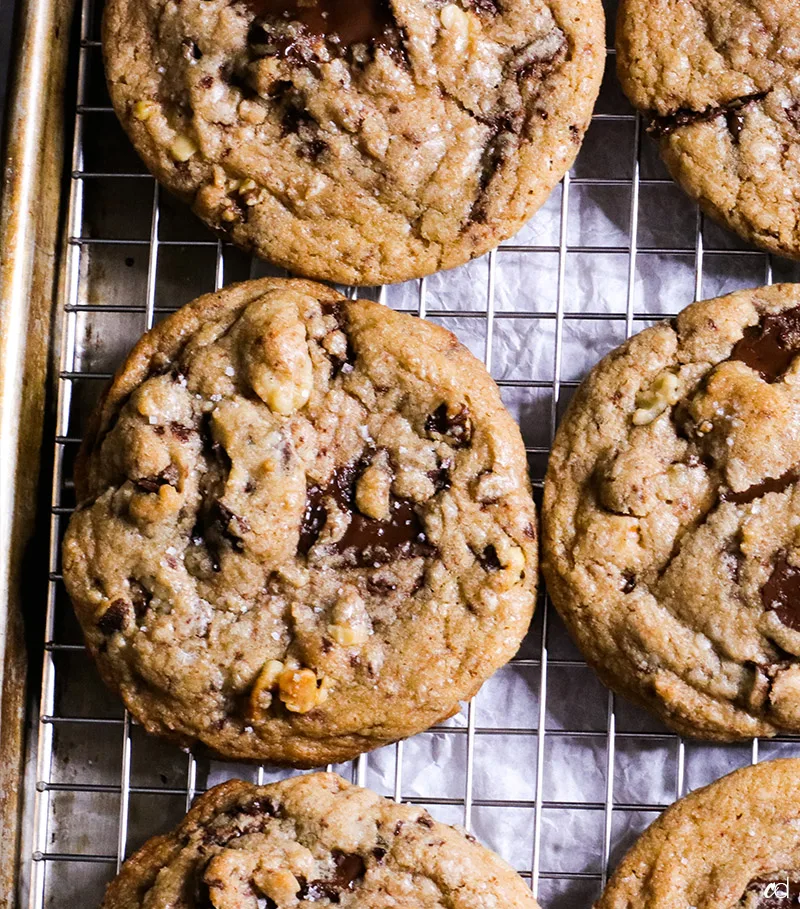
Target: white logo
(778,890)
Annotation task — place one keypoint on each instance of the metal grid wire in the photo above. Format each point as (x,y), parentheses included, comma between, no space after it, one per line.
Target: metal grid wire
(102,787)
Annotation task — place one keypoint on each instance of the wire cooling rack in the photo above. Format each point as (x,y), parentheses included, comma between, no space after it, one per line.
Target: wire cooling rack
(544,765)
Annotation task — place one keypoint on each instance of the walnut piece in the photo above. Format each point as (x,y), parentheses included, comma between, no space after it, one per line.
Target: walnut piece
(183,148)
(663,393)
(373,489)
(298,690)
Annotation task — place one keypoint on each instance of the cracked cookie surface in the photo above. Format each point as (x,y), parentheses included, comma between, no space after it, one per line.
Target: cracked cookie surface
(305,526)
(720,80)
(313,840)
(731,845)
(672,517)
(361,143)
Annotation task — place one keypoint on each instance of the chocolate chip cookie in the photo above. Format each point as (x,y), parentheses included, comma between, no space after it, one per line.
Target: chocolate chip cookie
(732,845)
(305,526)
(313,839)
(672,517)
(360,142)
(719,81)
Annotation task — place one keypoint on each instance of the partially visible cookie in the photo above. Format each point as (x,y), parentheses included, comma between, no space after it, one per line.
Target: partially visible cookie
(672,517)
(364,142)
(733,845)
(304,528)
(313,840)
(720,82)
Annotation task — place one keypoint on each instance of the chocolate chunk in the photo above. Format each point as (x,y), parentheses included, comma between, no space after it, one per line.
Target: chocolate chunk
(530,531)
(425,820)
(379,854)
(538,60)
(628,581)
(343,22)
(314,518)
(168,477)
(776,891)
(665,126)
(735,120)
(262,806)
(770,346)
(380,586)
(781,593)
(366,541)
(349,870)
(485,7)
(140,598)
(441,476)
(771,484)
(113,619)
(297,120)
(454,428)
(488,559)
(311,151)
(231,526)
(190,50)
(180,431)
(501,144)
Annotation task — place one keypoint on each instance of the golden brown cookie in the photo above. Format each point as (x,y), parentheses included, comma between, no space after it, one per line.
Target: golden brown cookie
(732,845)
(363,142)
(672,517)
(313,840)
(719,81)
(304,528)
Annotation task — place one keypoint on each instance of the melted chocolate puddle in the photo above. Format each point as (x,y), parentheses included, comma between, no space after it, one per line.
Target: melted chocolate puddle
(349,21)
(774,892)
(771,484)
(781,593)
(770,346)
(366,540)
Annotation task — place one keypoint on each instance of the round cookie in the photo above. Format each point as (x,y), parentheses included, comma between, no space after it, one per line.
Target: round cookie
(363,143)
(672,517)
(305,526)
(731,845)
(313,840)
(720,82)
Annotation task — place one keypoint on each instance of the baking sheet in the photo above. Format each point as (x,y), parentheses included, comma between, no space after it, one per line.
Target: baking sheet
(545,766)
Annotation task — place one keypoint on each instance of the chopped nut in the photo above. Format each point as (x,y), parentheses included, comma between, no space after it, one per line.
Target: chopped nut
(663,393)
(250,192)
(299,691)
(453,17)
(335,343)
(348,635)
(146,508)
(512,563)
(220,178)
(260,694)
(373,489)
(143,110)
(183,148)
(276,357)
